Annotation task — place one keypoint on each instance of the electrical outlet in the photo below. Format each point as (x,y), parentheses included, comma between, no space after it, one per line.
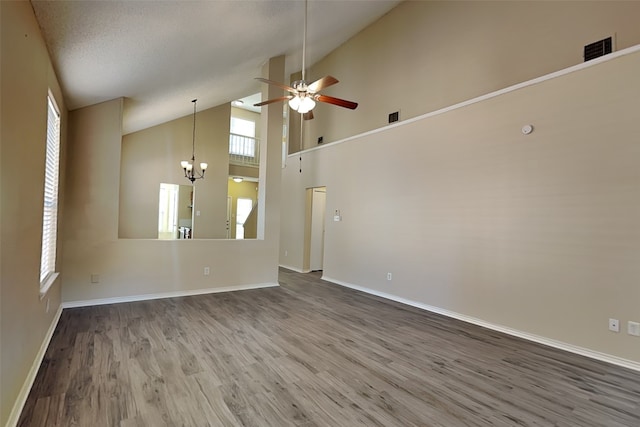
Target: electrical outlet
(633,328)
(614,325)
(95,278)
(286,253)
(389,276)
(207,271)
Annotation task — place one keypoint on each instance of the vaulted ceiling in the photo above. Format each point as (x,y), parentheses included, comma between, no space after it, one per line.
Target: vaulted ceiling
(159,55)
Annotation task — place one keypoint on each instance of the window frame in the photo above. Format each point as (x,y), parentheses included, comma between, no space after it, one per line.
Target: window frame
(49,243)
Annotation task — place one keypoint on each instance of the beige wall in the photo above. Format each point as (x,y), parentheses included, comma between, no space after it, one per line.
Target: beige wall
(185,204)
(27,75)
(426,55)
(131,267)
(153,155)
(245,171)
(535,233)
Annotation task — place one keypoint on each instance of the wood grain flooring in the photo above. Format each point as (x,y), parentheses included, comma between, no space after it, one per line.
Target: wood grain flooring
(310,353)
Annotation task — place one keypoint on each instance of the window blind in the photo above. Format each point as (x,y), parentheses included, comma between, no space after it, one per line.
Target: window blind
(50,212)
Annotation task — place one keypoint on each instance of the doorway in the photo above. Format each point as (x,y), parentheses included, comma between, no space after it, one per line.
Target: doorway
(316,208)
(168,211)
(243,209)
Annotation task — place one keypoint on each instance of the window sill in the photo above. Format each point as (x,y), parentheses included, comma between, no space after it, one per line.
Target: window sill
(47,283)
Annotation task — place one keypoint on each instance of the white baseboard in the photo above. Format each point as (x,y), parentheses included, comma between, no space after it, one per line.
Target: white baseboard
(614,360)
(297,270)
(173,294)
(16,411)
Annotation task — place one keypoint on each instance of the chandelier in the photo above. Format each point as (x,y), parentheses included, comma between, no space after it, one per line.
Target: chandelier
(191,172)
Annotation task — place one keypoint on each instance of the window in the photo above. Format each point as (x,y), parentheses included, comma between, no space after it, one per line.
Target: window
(242,139)
(243,127)
(50,212)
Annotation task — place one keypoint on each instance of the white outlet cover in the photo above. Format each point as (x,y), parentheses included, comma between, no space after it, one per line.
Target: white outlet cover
(614,325)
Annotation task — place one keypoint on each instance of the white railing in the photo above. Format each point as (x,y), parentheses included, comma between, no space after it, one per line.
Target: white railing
(244,150)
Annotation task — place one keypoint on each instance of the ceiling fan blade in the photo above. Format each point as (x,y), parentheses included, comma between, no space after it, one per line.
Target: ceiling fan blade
(281,85)
(308,115)
(320,84)
(271,101)
(336,101)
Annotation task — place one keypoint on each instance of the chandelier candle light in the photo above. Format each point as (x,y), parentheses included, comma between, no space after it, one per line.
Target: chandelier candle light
(190,170)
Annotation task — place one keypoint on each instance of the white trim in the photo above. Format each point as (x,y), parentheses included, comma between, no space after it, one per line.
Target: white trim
(537,80)
(173,294)
(614,360)
(18,406)
(297,270)
(48,282)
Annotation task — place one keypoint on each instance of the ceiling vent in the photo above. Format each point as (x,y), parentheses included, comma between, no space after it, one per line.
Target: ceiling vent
(598,49)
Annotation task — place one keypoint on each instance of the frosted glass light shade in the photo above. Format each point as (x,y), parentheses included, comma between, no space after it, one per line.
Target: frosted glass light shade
(294,103)
(302,105)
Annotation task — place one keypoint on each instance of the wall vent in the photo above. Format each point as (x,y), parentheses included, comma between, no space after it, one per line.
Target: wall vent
(598,49)
(394,117)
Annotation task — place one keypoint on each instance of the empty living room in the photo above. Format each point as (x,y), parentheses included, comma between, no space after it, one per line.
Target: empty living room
(320,213)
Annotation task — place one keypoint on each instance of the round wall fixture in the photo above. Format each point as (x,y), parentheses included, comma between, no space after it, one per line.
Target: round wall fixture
(527,129)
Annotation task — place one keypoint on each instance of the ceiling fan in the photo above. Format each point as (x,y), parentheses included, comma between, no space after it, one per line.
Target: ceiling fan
(303,95)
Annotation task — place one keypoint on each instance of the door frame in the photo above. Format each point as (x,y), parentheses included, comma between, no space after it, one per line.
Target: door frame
(309,238)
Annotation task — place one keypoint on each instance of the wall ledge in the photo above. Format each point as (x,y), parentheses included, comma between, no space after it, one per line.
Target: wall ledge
(532,82)
(592,354)
(173,294)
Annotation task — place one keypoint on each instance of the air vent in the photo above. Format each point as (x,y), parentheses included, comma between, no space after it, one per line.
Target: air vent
(598,49)
(394,117)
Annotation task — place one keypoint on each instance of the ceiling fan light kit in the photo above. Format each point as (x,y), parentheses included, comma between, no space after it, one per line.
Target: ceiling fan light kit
(302,104)
(303,96)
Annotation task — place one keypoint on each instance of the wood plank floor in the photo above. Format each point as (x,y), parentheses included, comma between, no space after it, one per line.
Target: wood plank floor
(311,354)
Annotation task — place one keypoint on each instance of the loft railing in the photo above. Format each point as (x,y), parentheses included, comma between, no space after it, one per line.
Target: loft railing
(244,150)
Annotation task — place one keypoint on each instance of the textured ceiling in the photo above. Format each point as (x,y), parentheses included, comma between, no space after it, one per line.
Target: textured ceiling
(159,55)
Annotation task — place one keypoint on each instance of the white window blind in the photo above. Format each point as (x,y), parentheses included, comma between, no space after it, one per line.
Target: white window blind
(242,139)
(50,215)
(243,127)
